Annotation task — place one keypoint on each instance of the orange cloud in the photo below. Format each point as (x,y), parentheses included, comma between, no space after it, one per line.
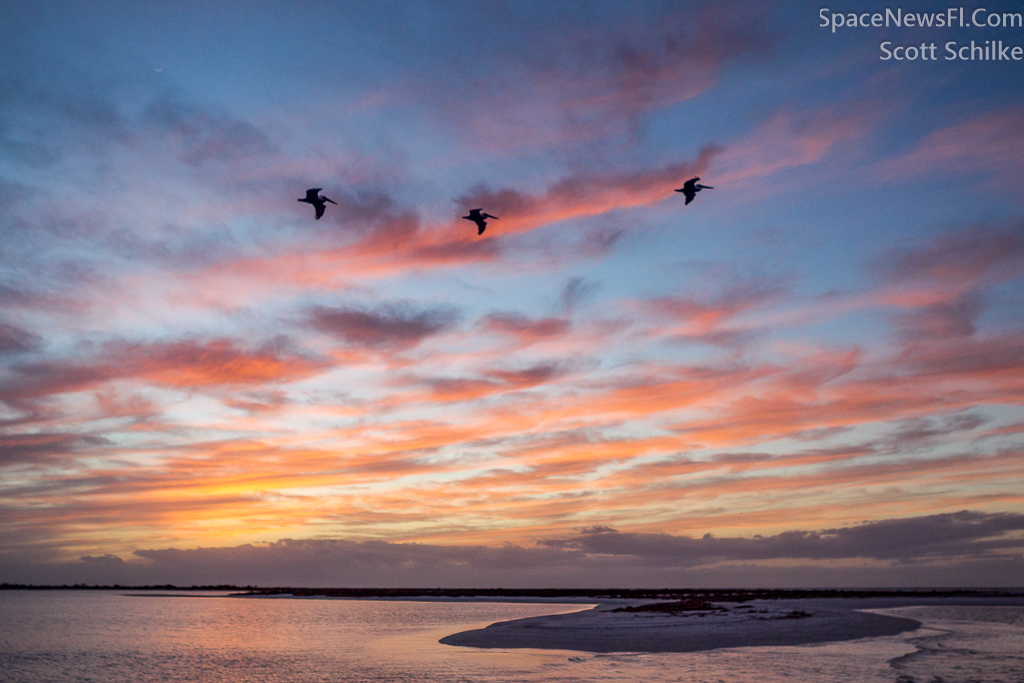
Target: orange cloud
(186,364)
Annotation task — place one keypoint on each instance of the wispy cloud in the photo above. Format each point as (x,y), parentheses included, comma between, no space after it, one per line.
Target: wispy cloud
(186,364)
(386,327)
(585,194)
(791,140)
(577,86)
(993,141)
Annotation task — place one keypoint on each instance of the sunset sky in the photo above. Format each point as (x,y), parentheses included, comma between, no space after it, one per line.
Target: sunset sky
(811,375)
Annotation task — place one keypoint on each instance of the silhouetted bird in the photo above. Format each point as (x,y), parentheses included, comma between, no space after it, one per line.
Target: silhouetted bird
(480,219)
(313,197)
(691,188)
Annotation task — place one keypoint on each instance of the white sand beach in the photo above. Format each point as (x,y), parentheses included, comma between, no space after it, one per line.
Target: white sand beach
(744,624)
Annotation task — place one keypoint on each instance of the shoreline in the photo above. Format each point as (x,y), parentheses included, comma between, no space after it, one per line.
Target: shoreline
(605,628)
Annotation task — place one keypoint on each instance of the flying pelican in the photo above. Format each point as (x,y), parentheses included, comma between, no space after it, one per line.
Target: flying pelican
(313,197)
(691,188)
(480,219)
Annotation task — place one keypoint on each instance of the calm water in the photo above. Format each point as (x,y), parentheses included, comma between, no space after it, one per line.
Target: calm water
(59,637)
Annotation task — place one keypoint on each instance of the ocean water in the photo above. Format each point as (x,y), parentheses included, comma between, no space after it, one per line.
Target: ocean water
(982,644)
(106,637)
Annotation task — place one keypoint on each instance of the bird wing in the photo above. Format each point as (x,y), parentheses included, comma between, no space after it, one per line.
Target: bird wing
(312,192)
(689,196)
(330,200)
(320,210)
(481,226)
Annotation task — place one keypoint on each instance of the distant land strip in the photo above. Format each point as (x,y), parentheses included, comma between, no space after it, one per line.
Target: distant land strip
(709,595)
(118,587)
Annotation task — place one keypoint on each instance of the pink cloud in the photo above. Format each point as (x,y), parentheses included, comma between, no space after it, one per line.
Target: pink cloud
(993,141)
(790,140)
(590,82)
(713,319)
(582,195)
(185,364)
(524,329)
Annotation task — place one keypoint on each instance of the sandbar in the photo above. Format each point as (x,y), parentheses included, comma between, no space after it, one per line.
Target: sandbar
(603,629)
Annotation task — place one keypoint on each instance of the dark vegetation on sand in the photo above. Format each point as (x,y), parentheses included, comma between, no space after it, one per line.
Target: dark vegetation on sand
(701,606)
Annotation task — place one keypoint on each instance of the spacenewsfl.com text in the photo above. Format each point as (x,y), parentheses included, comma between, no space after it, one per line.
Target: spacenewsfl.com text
(994,49)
